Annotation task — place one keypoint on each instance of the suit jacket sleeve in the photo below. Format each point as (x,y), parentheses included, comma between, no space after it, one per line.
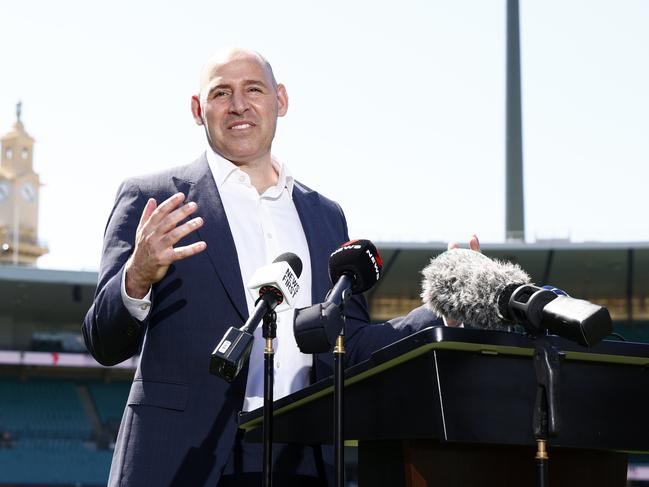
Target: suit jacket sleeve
(371,337)
(111,334)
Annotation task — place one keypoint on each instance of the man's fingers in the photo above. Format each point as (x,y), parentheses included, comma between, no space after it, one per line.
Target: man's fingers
(175,217)
(474,243)
(180,253)
(166,207)
(148,211)
(159,233)
(172,237)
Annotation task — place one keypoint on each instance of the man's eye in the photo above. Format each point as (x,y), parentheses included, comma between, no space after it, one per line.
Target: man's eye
(254,89)
(220,94)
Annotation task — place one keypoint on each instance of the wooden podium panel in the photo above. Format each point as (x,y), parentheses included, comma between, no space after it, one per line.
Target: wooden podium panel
(426,463)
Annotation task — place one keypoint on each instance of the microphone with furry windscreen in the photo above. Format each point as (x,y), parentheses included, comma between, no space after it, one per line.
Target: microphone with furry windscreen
(275,286)
(353,267)
(466,286)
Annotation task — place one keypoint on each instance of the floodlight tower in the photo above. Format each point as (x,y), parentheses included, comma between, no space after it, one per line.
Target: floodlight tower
(515,202)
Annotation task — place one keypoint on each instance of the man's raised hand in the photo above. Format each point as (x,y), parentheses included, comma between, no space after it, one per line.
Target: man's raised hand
(156,235)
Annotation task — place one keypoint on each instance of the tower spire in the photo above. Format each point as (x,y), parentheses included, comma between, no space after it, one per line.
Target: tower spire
(19,195)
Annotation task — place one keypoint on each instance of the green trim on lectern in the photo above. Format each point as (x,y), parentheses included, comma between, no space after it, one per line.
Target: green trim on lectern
(250,425)
(482,348)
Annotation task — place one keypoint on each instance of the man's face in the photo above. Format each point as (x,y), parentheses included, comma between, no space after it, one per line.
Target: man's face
(239,105)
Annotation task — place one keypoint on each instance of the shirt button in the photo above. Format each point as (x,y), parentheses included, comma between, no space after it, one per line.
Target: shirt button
(144,306)
(242,178)
(269,235)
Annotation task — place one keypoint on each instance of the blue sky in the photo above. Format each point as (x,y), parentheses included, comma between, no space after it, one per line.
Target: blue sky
(396,109)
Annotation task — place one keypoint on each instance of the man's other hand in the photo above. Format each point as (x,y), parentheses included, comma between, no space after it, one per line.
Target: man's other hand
(156,235)
(474,244)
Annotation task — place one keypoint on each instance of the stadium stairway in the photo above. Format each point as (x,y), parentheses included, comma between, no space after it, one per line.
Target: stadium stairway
(90,409)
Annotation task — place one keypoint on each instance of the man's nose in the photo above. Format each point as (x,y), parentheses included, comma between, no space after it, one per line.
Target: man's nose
(238,103)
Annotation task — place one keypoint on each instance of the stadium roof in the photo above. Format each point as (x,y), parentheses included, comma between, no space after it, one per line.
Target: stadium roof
(589,270)
(586,270)
(45,295)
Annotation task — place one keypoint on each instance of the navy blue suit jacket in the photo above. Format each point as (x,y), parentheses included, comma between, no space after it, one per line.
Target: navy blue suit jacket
(180,422)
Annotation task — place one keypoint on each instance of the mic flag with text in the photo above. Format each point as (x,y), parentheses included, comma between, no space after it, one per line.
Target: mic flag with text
(358,259)
(273,286)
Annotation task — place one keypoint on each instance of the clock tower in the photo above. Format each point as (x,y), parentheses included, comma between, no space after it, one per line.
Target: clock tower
(19,191)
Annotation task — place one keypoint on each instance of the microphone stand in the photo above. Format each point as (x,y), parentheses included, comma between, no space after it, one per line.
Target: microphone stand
(339,378)
(269,331)
(547,363)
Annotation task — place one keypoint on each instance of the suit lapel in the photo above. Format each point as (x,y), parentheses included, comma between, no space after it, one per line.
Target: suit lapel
(216,232)
(308,209)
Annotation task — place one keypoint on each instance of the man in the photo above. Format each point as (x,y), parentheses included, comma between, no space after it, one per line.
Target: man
(179,247)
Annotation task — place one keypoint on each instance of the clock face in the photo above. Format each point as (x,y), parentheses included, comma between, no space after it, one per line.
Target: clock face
(5,191)
(28,192)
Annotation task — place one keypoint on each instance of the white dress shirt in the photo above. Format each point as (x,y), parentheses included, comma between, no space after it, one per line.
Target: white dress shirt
(263,227)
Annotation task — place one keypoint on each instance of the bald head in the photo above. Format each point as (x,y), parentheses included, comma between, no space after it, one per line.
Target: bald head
(238,104)
(225,56)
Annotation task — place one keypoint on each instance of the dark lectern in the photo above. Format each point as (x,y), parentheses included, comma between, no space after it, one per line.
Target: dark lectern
(453,407)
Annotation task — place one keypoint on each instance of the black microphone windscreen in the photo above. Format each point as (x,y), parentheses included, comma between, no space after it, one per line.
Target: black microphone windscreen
(360,259)
(316,327)
(469,287)
(293,260)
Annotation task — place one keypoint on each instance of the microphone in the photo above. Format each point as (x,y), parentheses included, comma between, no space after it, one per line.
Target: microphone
(275,286)
(280,278)
(465,285)
(358,259)
(469,287)
(354,268)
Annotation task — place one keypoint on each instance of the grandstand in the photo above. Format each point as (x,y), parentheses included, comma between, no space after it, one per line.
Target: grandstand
(59,430)
(53,441)
(61,409)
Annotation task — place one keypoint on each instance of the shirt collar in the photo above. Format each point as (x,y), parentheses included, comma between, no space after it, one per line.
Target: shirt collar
(222,170)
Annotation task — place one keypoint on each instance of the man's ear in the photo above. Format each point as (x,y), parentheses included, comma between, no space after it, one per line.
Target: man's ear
(197,113)
(282,100)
